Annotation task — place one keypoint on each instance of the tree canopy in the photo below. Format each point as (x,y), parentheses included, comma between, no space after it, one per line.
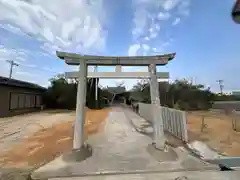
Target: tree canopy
(180,94)
(62,94)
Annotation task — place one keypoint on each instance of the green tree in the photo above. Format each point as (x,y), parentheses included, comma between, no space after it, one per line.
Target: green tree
(62,94)
(179,94)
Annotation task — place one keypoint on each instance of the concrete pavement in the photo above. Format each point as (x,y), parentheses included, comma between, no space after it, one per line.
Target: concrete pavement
(185,175)
(120,149)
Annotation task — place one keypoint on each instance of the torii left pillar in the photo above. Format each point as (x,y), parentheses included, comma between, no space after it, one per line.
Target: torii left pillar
(78,138)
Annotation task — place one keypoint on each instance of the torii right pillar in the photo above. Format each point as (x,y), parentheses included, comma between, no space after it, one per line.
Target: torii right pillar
(158,131)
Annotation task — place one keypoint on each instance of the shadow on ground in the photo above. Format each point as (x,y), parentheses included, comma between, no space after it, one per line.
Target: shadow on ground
(15,174)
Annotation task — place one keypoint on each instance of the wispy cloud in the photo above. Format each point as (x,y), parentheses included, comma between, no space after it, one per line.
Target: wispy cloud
(60,24)
(24,73)
(18,55)
(133,49)
(164,15)
(176,21)
(149,16)
(12,29)
(138,50)
(170,4)
(184,7)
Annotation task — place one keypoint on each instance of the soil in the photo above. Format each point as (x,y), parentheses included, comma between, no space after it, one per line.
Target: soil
(218,132)
(48,143)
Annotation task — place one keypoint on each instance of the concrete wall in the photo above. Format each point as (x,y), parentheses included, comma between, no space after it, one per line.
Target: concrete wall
(145,111)
(174,121)
(5,100)
(226,105)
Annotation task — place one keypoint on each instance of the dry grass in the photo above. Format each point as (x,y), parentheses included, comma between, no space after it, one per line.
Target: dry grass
(218,134)
(46,144)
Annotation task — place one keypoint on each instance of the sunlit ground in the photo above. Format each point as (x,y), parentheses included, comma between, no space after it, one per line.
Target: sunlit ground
(48,143)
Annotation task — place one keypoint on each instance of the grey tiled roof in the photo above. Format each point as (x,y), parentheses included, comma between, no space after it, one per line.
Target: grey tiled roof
(18,83)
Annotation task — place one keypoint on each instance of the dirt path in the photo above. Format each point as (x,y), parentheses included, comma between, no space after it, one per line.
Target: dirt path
(218,133)
(48,143)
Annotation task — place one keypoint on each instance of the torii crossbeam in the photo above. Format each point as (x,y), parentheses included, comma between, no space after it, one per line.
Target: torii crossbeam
(85,60)
(121,75)
(75,59)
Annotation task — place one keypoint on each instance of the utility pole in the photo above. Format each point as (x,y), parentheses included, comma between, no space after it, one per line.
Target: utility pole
(12,64)
(96,89)
(220,82)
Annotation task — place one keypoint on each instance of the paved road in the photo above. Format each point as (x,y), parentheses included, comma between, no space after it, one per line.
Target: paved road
(119,148)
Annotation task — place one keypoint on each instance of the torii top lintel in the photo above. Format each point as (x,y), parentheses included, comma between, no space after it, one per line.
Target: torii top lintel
(74,59)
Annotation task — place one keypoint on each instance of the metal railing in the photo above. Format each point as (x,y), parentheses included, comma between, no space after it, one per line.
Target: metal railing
(174,121)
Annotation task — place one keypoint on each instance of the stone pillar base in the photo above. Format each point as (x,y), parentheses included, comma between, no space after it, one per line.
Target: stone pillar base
(168,154)
(159,145)
(77,155)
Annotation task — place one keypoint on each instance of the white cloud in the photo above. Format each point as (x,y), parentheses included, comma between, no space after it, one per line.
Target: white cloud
(30,65)
(12,29)
(18,55)
(153,35)
(147,20)
(170,4)
(164,15)
(24,73)
(133,49)
(146,47)
(184,7)
(146,38)
(138,50)
(176,21)
(128,83)
(50,48)
(157,27)
(147,16)
(153,31)
(167,43)
(134,69)
(145,13)
(158,50)
(140,22)
(5,54)
(154,49)
(63,24)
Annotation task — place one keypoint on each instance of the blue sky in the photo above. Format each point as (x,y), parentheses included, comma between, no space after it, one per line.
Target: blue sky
(201,32)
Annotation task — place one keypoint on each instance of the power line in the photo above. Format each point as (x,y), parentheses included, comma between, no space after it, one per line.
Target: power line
(12,64)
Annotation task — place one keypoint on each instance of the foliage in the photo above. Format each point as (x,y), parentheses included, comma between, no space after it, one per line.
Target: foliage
(180,94)
(62,94)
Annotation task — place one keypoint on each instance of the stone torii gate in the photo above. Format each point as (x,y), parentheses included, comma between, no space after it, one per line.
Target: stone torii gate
(118,61)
